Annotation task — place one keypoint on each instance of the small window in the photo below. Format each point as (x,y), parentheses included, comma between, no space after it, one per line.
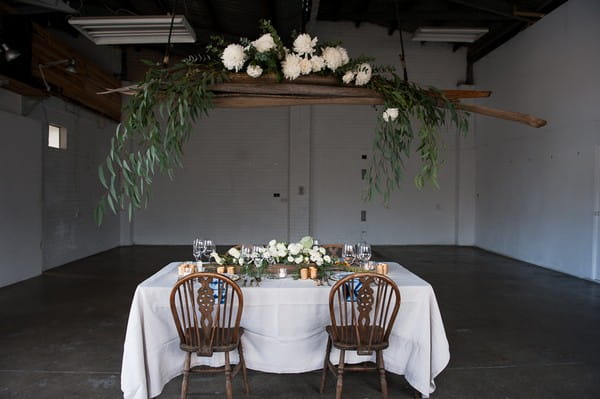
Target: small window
(57,137)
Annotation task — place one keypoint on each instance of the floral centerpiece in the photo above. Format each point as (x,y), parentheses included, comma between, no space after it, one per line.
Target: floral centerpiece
(303,253)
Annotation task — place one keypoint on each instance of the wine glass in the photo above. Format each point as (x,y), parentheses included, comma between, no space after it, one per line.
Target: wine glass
(209,248)
(197,248)
(349,254)
(364,254)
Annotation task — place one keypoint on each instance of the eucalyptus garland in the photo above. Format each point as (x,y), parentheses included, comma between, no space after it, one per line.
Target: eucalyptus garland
(169,100)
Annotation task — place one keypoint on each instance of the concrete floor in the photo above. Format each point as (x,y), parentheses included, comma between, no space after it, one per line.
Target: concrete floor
(515,330)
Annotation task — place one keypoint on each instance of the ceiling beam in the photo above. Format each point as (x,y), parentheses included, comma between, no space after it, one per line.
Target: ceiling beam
(491,8)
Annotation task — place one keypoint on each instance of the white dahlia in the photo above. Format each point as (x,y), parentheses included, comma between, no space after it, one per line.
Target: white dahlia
(348,77)
(304,44)
(363,75)
(305,66)
(233,57)
(264,43)
(390,114)
(254,71)
(291,66)
(344,55)
(318,63)
(332,57)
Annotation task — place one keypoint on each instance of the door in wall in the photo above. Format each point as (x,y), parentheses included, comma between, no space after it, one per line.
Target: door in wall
(233,188)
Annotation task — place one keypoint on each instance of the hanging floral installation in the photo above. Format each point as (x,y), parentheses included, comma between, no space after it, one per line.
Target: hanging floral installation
(169,100)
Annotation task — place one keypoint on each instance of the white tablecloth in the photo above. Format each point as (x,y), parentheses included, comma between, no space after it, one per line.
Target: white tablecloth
(284,322)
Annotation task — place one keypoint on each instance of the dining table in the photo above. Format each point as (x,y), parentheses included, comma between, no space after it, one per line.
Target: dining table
(284,322)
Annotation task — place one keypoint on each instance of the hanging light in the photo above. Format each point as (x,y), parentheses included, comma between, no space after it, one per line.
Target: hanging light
(9,53)
(69,68)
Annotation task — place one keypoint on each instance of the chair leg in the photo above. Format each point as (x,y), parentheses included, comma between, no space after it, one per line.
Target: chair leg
(325,364)
(186,375)
(244,372)
(382,380)
(340,375)
(228,387)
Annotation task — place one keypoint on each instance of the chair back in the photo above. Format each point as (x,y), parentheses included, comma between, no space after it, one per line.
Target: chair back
(334,250)
(207,309)
(363,308)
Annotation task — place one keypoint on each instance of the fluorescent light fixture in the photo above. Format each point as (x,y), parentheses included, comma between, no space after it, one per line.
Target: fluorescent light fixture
(451,35)
(134,29)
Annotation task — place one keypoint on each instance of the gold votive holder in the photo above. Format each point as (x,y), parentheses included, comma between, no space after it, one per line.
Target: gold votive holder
(313,272)
(231,269)
(304,273)
(221,269)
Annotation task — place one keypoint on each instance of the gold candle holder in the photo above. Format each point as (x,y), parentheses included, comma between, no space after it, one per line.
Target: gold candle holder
(221,269)
(304,273)
(313,272)
(231,269)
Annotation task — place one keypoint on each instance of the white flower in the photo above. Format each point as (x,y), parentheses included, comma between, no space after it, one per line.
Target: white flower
(273,252)
(241,261)
(254,71)
(217,258)
(294,249)
(322,250)
(304,44)
(281,246)
(318,63)
(233,57)
(305,66)
(327,258)
(363,75)
(291,66)
(233,251)
(319,262)
(343,54)
(281,253)
(290,259)
(332,58)
(348,77)
(264,43)
(306,242)
(272,243)
(390,114)
(299,260)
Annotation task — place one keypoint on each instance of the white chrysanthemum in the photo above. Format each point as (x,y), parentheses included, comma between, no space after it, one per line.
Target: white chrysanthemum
(254,71)
(305,66)
(322,250)
(294,249)
(233,57)
(264,43)
(319,262)
(327,258)
(318,63)
(344,55)
(363,75)
(332,58)
(390,114)
(299,260)
(272,243)
(291,66)
(290,259)
(304,44)
(348,77)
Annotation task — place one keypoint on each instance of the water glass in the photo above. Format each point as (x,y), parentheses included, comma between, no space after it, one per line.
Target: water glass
(349,254)
(209,248)
(197,248)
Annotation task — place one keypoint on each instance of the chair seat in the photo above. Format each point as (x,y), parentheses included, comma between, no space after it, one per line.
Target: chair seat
(227,344)
(347,339)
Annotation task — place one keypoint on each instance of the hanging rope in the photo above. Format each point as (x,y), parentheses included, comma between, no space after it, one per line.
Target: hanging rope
(168,49)
(402,57)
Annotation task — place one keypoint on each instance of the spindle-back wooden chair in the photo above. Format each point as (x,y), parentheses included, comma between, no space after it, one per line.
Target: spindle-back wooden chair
(363,308)
(207,309)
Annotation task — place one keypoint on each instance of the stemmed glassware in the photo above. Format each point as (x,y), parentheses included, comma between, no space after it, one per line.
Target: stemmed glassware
(349,254)
(209,248)
(257,258)
(198,247)
(364,254)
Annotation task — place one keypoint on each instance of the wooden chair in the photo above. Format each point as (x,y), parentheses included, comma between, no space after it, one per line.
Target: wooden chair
(363,308)
(334,250)
(207,309)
